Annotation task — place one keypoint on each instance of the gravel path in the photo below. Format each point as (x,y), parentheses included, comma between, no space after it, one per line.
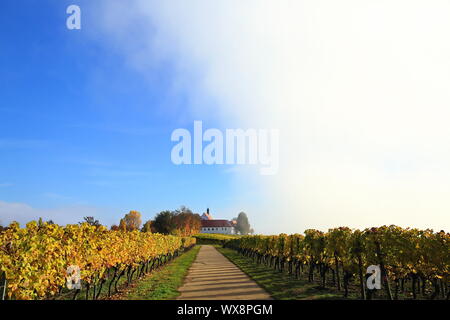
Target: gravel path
(214,277)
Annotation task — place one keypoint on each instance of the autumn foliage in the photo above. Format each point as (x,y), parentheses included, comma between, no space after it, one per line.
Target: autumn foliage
(404,256)
(132,221)
(182,222)
(35,258)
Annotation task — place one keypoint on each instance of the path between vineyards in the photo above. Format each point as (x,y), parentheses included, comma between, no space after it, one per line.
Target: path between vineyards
(214,277)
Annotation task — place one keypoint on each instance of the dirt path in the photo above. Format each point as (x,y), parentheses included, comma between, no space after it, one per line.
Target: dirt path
(214,277)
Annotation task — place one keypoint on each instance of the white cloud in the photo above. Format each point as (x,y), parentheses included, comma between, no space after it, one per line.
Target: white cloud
(24,213)
(358,88)
(5,185)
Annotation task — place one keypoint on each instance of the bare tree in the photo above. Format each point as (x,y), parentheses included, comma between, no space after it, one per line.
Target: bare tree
(91,221)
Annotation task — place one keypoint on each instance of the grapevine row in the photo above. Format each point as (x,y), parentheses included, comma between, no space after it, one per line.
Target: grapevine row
(419,257)
(35,258)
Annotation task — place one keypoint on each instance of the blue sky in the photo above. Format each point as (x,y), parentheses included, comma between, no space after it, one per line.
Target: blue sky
(81,128)
(358,90)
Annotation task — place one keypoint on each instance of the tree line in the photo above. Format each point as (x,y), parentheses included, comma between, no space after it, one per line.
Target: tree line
(180,222)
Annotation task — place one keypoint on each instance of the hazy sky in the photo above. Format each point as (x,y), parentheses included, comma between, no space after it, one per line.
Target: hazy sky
(358,90)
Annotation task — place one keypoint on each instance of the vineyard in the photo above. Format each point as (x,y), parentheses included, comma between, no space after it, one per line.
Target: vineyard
(37,261)
(213,238)
(34,260)
(414,263)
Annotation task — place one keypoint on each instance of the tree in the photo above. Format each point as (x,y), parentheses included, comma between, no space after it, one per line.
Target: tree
(147,227)
(242,224)
(164,222)
(186,222)
(115,227)
(131,221)
(181,222)
(91,221)
(122,225)
(41,222)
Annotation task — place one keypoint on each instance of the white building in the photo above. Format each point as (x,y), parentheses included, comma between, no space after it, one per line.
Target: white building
(217,226)
(209,225)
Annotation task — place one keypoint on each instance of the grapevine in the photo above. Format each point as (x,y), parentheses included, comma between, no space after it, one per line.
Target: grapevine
(419,259)
(34,259)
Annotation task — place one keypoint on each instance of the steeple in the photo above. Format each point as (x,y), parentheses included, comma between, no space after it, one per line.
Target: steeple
(207,215)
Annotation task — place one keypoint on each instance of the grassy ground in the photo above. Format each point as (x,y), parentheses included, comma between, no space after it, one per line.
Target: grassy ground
(283,286)
(162,284)
(280,286)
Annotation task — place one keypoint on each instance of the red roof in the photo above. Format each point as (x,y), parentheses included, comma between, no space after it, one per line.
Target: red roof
(215,223)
